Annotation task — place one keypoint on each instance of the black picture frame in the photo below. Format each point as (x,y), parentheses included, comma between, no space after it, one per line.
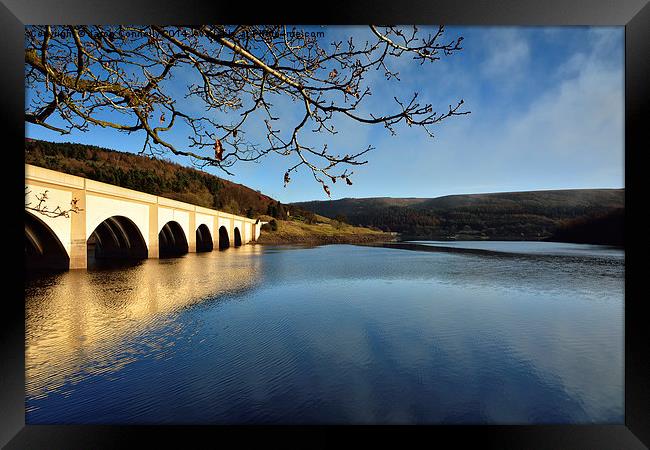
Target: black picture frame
(633,14)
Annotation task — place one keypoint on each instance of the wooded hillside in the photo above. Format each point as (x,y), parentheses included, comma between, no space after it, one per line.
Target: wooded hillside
(509,215)
(153,176)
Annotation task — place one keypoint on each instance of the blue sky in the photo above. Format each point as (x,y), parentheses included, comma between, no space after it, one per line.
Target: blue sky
(547,112)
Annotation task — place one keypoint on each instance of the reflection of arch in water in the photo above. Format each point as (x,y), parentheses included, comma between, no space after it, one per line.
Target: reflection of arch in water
(43,250)
(203,239)
(237,237)
(172,240)
(224,240)
(116,238)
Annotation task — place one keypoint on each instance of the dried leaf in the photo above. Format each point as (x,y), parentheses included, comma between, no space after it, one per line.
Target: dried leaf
(218,150)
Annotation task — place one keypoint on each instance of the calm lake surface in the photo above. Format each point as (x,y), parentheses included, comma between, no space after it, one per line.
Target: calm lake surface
(333,334)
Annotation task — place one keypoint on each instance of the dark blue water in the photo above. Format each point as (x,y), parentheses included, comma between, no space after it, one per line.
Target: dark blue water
(333,334)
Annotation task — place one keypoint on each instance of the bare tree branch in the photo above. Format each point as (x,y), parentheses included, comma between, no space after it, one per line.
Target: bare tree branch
(119,77)
(41,207)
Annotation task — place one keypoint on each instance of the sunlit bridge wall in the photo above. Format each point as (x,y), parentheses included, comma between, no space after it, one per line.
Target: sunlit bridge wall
(118,224)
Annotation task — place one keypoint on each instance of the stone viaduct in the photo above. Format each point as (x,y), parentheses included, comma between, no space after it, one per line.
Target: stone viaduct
(119,223)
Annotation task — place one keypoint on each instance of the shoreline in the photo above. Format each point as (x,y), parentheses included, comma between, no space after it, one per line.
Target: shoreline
(322,239)
(467,251)
(391,242)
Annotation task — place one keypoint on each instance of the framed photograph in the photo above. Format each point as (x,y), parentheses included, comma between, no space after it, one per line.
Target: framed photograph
(311,221)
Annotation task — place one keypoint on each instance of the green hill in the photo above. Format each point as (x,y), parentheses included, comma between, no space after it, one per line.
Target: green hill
(508,215)
(153,176)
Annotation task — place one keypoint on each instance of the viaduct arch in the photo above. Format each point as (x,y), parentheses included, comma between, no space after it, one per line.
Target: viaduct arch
(203,239)
(116,237)
(172,240)
(43,249)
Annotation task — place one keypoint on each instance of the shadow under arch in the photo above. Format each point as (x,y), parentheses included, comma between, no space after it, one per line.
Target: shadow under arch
(237,237)
(224,240)
(172,241)
(203,239)
(43,249)
(116,239)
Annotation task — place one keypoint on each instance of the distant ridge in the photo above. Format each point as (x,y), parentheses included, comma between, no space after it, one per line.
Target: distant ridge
(501,215)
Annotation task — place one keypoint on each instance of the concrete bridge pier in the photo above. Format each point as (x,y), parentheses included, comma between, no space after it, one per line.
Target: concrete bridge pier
(153,249)
(78,242)
(191,239)
(215,234)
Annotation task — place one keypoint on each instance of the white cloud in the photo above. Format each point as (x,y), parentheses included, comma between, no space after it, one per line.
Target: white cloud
(583,116)
(570,134)
(507,52)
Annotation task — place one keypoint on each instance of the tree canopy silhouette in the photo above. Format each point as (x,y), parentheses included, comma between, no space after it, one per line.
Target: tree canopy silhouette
(119,77)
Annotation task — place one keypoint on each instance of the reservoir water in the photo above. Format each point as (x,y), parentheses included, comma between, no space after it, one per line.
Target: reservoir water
(531,333)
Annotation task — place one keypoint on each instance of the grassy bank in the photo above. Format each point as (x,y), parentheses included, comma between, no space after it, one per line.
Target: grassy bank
(318,230)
